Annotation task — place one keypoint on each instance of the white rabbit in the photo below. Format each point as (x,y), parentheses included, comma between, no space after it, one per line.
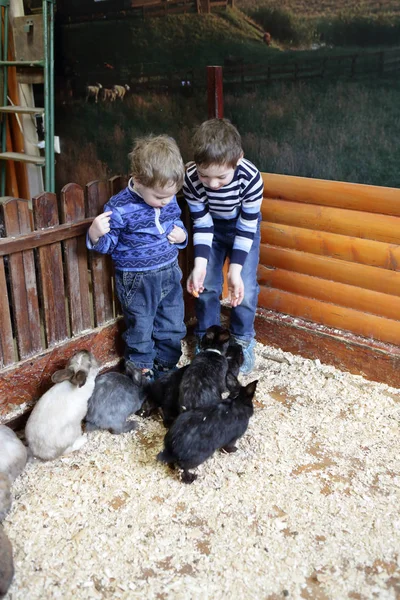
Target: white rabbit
(13,453)
(54,426)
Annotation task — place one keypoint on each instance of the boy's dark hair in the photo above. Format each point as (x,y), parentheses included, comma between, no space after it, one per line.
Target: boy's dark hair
(217,142)
(157,162)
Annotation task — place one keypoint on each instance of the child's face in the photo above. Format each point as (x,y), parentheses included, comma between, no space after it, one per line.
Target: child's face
(157,197)
(215,176)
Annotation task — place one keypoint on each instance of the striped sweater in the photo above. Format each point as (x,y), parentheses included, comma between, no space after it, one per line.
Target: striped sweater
(239,200)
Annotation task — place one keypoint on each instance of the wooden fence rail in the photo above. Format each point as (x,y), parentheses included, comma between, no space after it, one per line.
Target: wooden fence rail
(242,75)
(77,11)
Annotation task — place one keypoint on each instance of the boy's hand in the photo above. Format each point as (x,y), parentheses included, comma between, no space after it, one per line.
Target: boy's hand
(235,285)
(196,278)
(177,235)
(99,227)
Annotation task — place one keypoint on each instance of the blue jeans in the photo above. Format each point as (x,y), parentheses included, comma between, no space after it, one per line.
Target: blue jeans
(152,304)
(208,308)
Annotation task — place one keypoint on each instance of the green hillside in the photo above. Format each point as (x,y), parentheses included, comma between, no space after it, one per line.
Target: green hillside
(161,44)
(318,8)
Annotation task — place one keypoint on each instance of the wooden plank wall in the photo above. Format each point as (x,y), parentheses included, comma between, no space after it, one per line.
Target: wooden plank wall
(330,255)
(56,297)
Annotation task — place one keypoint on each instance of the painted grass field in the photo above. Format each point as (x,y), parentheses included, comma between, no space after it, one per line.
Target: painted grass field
(346,131)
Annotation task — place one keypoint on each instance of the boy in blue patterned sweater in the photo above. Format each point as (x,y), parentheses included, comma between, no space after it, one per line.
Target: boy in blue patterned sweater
(224,192)
(142,230)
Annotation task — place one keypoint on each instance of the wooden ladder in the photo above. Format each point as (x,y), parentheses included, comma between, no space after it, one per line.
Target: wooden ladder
(34,41)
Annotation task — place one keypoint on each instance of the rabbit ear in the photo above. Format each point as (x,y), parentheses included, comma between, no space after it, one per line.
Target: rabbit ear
(250,388)
(224,336)
(209,334)
(79,378)
(62,375)
(135,374)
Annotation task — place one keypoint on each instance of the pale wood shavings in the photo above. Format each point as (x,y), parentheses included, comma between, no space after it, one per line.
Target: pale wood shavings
(306,508)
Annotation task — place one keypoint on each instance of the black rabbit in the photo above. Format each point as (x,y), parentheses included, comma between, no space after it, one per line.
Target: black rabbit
(205,378)
(163,395)
(235,358)
(115,397)
(196,434)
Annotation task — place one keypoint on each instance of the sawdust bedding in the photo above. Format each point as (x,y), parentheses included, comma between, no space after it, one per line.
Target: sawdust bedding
(307,508)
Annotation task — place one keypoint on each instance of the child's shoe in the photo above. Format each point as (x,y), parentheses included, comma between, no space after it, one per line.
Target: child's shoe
(249,358)
(148,375)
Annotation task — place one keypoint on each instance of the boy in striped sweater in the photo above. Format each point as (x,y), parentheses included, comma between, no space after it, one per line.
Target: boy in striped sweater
(224,192)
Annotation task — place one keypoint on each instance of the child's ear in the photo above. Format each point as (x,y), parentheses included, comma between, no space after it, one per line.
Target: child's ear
(240,159)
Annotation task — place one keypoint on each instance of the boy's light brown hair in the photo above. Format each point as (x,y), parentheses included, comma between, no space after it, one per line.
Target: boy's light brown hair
(217,142)
(157,162)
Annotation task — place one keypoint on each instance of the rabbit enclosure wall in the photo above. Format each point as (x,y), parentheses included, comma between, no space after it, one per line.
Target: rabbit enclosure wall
(328,274)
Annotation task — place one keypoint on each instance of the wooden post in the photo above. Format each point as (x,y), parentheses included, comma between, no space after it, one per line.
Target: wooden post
(215,96)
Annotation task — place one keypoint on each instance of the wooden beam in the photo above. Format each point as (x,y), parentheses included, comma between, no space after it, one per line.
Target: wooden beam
(323,243)
(353,196)
(325,267)
(364,225)
(331,292)
(330,315)
(43,238)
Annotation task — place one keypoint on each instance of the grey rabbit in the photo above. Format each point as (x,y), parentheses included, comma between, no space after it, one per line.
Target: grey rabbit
(115,397)
(13,457)
(5,495)
(6,563)
(13,453)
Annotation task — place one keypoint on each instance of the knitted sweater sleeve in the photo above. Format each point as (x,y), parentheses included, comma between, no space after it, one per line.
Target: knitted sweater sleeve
(106,243)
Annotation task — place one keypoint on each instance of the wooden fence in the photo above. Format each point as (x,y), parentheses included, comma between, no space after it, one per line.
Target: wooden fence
(330,256)
(242,76)
(383,62)
(87,10)
(56,297)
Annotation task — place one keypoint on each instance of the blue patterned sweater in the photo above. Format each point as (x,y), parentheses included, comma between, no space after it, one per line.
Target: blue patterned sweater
(137,240)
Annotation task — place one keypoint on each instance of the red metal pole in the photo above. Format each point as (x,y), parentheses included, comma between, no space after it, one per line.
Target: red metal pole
(215,94)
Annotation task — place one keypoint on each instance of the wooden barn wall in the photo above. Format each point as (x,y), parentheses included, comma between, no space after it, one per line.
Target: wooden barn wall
(330,263)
